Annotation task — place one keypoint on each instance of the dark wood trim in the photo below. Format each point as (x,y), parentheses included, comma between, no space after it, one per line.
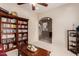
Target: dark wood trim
(11,16)
(0,29)
(68,39)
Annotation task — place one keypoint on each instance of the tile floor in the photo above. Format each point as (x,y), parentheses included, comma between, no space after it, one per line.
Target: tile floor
(12,53)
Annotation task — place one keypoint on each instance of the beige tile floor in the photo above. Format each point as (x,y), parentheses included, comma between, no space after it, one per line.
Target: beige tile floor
(12,53)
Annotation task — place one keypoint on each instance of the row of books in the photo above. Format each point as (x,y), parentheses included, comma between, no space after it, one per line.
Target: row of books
(22,22)
(4,41)
(22,26)
(22,30)
(8,31)
(8,20)
(4,36)
(11,45)
(12,21)
(8,26)
(22,35)
(23,38)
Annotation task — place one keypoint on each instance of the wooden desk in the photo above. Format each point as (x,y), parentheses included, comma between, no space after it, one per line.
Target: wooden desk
(25,52)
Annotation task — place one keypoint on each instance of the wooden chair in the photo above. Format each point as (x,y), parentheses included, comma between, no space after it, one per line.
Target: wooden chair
(2,52)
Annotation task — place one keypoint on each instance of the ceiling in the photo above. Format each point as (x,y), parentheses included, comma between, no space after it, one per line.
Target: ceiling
(40,9)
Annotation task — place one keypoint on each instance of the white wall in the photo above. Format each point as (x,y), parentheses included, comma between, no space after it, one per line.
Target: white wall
(63,19)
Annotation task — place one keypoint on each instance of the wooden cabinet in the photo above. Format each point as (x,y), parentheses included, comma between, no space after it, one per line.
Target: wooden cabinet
(73,41)
(13,30)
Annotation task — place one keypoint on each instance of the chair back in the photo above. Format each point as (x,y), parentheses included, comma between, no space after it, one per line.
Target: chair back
(1,48)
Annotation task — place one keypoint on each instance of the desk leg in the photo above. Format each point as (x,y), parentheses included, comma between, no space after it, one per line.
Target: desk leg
(18,53)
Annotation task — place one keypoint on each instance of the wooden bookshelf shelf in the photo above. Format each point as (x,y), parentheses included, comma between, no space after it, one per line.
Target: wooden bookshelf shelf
(73,51)
(8,33)
(22,32)
(7,23)
(22,40)
(22,28)
(22,24)
(8,28)
(73,41)
(72,46)
(10,42)
(10,49)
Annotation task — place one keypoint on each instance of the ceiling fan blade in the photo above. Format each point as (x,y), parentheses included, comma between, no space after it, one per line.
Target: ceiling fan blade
(20,3)
(33,7)
(43,4)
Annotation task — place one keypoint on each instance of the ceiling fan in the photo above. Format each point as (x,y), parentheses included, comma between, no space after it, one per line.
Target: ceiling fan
(33,5)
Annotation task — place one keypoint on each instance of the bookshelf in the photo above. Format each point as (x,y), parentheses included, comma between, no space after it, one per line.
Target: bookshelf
(73,41)
(13,30)
(22,31)
(8,33)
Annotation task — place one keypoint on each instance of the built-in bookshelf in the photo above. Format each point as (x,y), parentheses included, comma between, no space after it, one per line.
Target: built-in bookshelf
(22,31)
(13,30)
(8,33)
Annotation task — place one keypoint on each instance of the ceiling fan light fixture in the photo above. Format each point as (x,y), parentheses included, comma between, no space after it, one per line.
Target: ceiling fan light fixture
(34,4)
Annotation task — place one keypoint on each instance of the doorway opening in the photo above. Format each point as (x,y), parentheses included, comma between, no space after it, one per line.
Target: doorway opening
(45,29)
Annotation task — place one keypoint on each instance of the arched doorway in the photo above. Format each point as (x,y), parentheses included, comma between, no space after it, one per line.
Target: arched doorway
(45,29)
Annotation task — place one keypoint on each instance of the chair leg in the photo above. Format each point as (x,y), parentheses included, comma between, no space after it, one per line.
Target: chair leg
(18,53)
